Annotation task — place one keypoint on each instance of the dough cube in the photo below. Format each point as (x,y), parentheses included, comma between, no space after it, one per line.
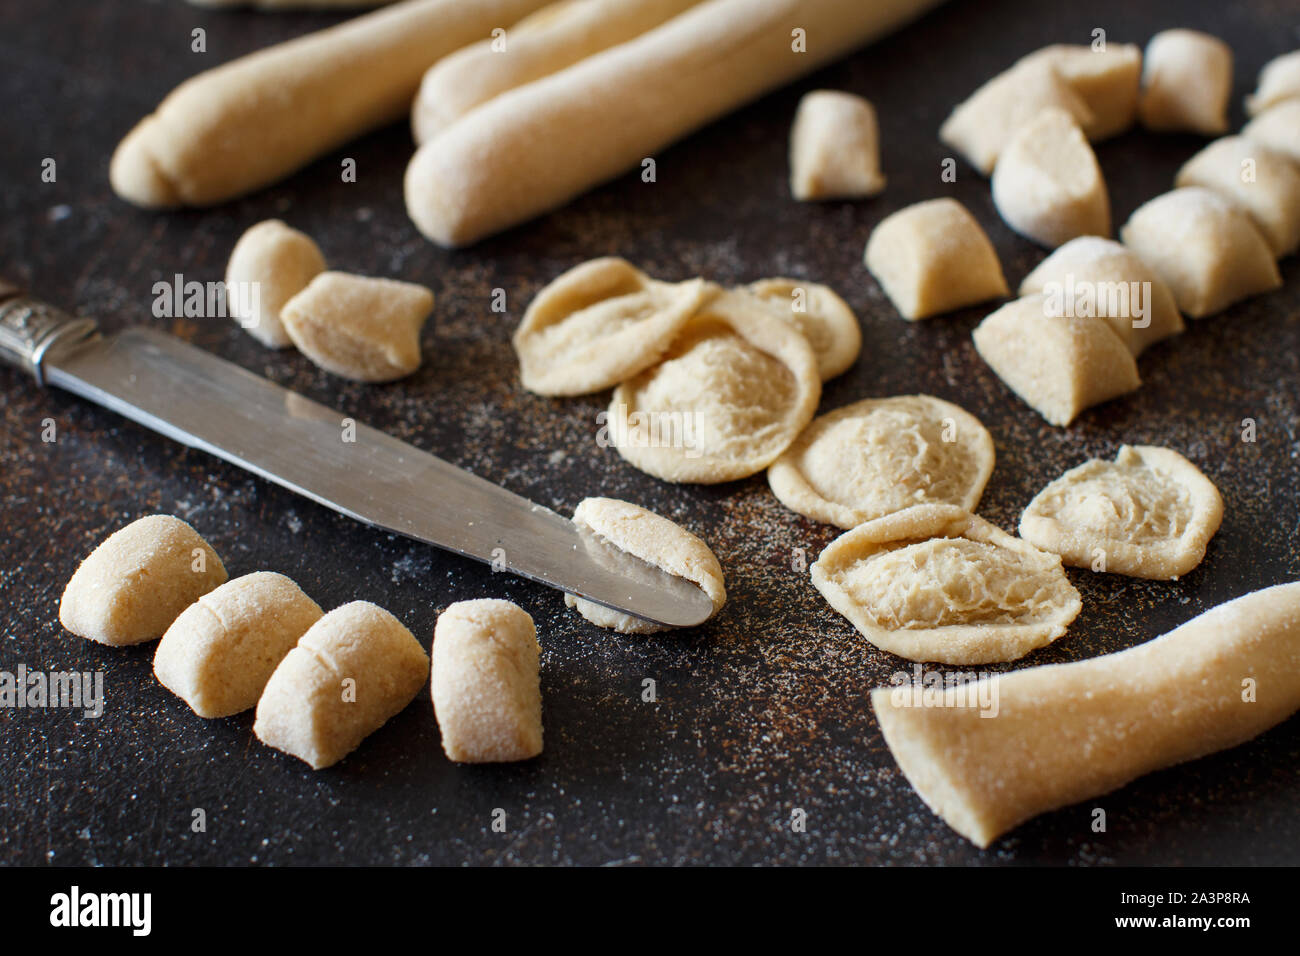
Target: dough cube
(486,686)
(1092,276)
(1059,365)
(1263,183)
(1186,82)
(271,263)
(219,654)
(354,669)
(1107,80)
(357,327)
(1278,128)
(835,148)
(1047,184)
(933,257)
(981,125)
(131,587)
(1279,81)
(1205,248)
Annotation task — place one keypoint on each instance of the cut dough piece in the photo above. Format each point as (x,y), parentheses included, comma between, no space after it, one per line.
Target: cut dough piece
(982,124)
(1092,276)
(360,328)
(1186,82)
(219,654)
(655,540)
(835,147)
(825,320)
(270,264)
(1047,185)
(933,257)
(1058,364)
(486,685)
(937,583)
(1063,733)
(131,587)
(1264,183)
(1279,81)
(1205,248)
(354,669)
(1148,514)
(736,387)
(1107,81)
(881,455)
(599,324)
(1278,128)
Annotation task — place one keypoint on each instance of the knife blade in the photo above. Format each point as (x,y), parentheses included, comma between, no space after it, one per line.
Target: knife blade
(205,402)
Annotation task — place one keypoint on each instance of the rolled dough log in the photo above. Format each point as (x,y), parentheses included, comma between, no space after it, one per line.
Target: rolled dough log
(1061,733)
(536,147)
(250,122)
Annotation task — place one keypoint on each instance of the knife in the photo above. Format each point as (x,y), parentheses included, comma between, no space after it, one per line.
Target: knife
(205,402)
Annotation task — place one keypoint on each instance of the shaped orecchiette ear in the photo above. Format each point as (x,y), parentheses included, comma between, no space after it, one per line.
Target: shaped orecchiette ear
(823,317)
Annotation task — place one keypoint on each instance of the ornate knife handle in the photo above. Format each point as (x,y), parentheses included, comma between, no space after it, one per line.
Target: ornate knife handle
(29,329)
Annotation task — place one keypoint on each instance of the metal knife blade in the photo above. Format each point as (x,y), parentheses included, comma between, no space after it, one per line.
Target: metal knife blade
(205,402)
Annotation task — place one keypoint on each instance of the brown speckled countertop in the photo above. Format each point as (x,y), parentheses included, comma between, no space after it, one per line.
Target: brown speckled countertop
(761,712)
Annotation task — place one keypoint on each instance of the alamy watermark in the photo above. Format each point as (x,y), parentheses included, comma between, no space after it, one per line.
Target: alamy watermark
(1088,299)
(650,429)
(925,688)
(23,689)
(200,300)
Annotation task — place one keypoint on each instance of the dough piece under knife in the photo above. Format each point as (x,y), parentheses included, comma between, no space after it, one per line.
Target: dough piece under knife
(1149,513)
(825,320)
(599,324)
(1062,733)
(655,540)
(734,389)
(270,264)
(937,583)
(881,455)
(556,36)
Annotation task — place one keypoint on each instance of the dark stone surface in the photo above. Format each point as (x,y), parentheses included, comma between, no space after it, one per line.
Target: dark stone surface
(763,711)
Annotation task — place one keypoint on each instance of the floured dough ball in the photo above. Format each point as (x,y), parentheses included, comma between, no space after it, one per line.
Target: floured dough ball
(219,654)
(1149,513)
(1058,364)
(599,324)
(1092,276)
(1264,183)
(881,455)
(1278,128)
(131,587)
(1279,81)
(936,583)
(835,147)
(1186,82)
(825,320)
(1205,248)
(486,682)
(354,669)
(735,388)
(271,263)
(357,327)
(933,257)
(1047,185)
(655,540)
(1107,80)
(982,124)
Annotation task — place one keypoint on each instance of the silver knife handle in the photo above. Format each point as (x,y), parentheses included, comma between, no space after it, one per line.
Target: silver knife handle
(29,329)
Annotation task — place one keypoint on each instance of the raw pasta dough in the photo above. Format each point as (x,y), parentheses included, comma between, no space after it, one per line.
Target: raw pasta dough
(655,540)
(1205,248)
(1278,128)
(599,324)
(278,262)
(835,147)
(823,317)
(735,388)
(1263,183)
(882,455)
(1279,81)
(1149,513)
(486,686)
(1092,276)
(1107,81)
(1186,82)
(131,587)
(936,583)
(1063,733)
